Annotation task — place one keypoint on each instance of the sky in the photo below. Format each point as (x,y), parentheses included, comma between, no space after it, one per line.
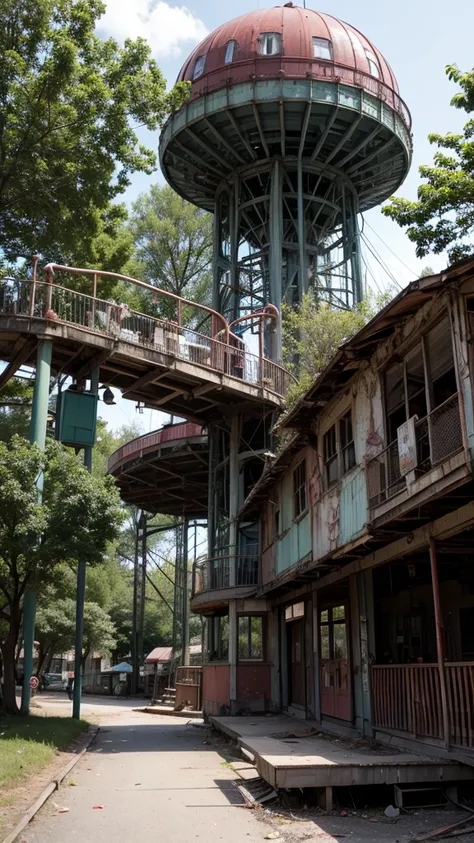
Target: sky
(418,38)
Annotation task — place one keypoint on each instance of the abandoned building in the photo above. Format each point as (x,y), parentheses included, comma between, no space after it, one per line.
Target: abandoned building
(355,608)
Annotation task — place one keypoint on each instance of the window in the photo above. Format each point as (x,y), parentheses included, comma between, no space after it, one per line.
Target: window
(333,634)
(277,523)
(199,67)
(374,69)
(229,51)
(270,43)
(299,490)
(294,612)
(218,638)
(322,49)
(250,637)
(347,443)
(339,450)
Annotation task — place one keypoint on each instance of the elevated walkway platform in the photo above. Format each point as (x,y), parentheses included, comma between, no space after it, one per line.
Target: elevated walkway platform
(161,362)
(291,753)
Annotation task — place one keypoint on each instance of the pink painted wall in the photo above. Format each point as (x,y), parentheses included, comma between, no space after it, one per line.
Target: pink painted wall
(215,688)
(253,684)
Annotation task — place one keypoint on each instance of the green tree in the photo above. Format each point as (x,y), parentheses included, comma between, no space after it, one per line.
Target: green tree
(99,632)
(313,333)
(78,517)
(443,217)
(55,628)
(173,245)
(15,408)
(69,102)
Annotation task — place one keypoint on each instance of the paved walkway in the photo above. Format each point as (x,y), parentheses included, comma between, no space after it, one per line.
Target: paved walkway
(157,779)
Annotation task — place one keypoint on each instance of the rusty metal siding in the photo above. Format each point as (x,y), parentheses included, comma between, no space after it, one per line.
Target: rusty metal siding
(298,27)
(352,506)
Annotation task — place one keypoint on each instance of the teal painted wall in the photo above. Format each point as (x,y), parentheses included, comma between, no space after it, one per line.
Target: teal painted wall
(294,544)
(352,506)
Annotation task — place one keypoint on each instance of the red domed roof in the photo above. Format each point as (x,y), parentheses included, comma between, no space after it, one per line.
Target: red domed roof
(298,27)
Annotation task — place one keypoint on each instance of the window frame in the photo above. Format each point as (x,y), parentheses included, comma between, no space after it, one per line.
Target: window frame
(217,647)
(373,63)
(229,59)
(318,42)
(263,39)
(339,456)
(300,490)
(248,657)
(198,69)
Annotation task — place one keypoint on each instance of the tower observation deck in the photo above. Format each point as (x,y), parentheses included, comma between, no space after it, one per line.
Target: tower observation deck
(293,127)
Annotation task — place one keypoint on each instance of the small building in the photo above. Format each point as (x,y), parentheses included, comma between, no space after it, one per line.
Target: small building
(158,665)
(362,619)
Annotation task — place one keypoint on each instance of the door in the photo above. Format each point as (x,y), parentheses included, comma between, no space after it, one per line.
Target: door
(297,694)
(335,666)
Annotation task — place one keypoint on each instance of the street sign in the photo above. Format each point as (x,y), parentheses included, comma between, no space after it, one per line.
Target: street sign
(34,683)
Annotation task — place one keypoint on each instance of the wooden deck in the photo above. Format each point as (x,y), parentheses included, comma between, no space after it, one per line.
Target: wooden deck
(290,754)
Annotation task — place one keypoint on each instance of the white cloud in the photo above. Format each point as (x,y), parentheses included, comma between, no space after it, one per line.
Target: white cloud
(168,29)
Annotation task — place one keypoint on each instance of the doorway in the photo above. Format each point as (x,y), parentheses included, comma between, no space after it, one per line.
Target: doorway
(295,637)
(335,664)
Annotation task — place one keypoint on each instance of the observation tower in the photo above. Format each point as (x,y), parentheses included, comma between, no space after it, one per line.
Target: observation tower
(293,127)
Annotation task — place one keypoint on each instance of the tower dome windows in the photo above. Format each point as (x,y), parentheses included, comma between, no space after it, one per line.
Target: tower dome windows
(270,43)
(374,69)
(199,65)
(229,51)
(322,49)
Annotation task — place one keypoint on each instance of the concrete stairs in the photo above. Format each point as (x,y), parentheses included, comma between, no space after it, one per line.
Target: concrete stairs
(168,697)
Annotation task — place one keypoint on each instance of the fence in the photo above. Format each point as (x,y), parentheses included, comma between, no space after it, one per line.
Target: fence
(170,337)
(407,698)
(438,436)
(215,572)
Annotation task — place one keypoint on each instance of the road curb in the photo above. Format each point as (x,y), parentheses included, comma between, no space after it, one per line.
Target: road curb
(50,788)
(189,715)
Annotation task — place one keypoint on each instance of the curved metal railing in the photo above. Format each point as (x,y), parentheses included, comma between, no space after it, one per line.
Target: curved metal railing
(213,346)
(141,444)
(211,573)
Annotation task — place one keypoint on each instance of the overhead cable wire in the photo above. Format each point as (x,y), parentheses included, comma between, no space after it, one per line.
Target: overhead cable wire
(391,250)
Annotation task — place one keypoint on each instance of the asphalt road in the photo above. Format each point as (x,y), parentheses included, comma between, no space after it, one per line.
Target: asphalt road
(155,778)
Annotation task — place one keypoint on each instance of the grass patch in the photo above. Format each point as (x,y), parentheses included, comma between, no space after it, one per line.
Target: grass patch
(27,744)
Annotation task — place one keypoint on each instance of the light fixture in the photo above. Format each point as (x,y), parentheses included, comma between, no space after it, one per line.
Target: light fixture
(108,397)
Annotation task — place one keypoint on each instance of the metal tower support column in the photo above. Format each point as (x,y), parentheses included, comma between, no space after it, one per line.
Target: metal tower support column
(276,254)
(143,574)
(234,225)
(39,417)
(186,594)
(233,551)
(81,588)
(302,274)
(135,666)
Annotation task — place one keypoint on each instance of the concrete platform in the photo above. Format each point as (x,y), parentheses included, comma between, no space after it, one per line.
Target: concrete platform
(170,712)
(290,754)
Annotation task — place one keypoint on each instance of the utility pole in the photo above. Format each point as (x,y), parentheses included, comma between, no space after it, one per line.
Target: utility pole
(39,416)
(81,587)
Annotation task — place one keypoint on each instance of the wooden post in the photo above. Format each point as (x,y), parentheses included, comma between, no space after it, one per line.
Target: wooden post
(439,641)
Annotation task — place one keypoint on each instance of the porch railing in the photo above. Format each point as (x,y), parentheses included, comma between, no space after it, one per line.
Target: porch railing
(189,675)
(407,698)
(170,336)
(215,572)
(438,437)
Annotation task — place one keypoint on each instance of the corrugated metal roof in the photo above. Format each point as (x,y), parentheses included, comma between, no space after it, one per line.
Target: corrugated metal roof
(159,654)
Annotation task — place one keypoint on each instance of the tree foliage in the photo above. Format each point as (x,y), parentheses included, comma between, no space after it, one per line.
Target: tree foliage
(78,517)
(69,103)
(313,333)
(443,216)
(173,245)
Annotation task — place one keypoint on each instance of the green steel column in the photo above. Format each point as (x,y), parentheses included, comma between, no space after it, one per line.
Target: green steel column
(302,276)
(216,253)
(185,594)
(357,282)
(276,256)
(39,418)
(233,551)
(81,589)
